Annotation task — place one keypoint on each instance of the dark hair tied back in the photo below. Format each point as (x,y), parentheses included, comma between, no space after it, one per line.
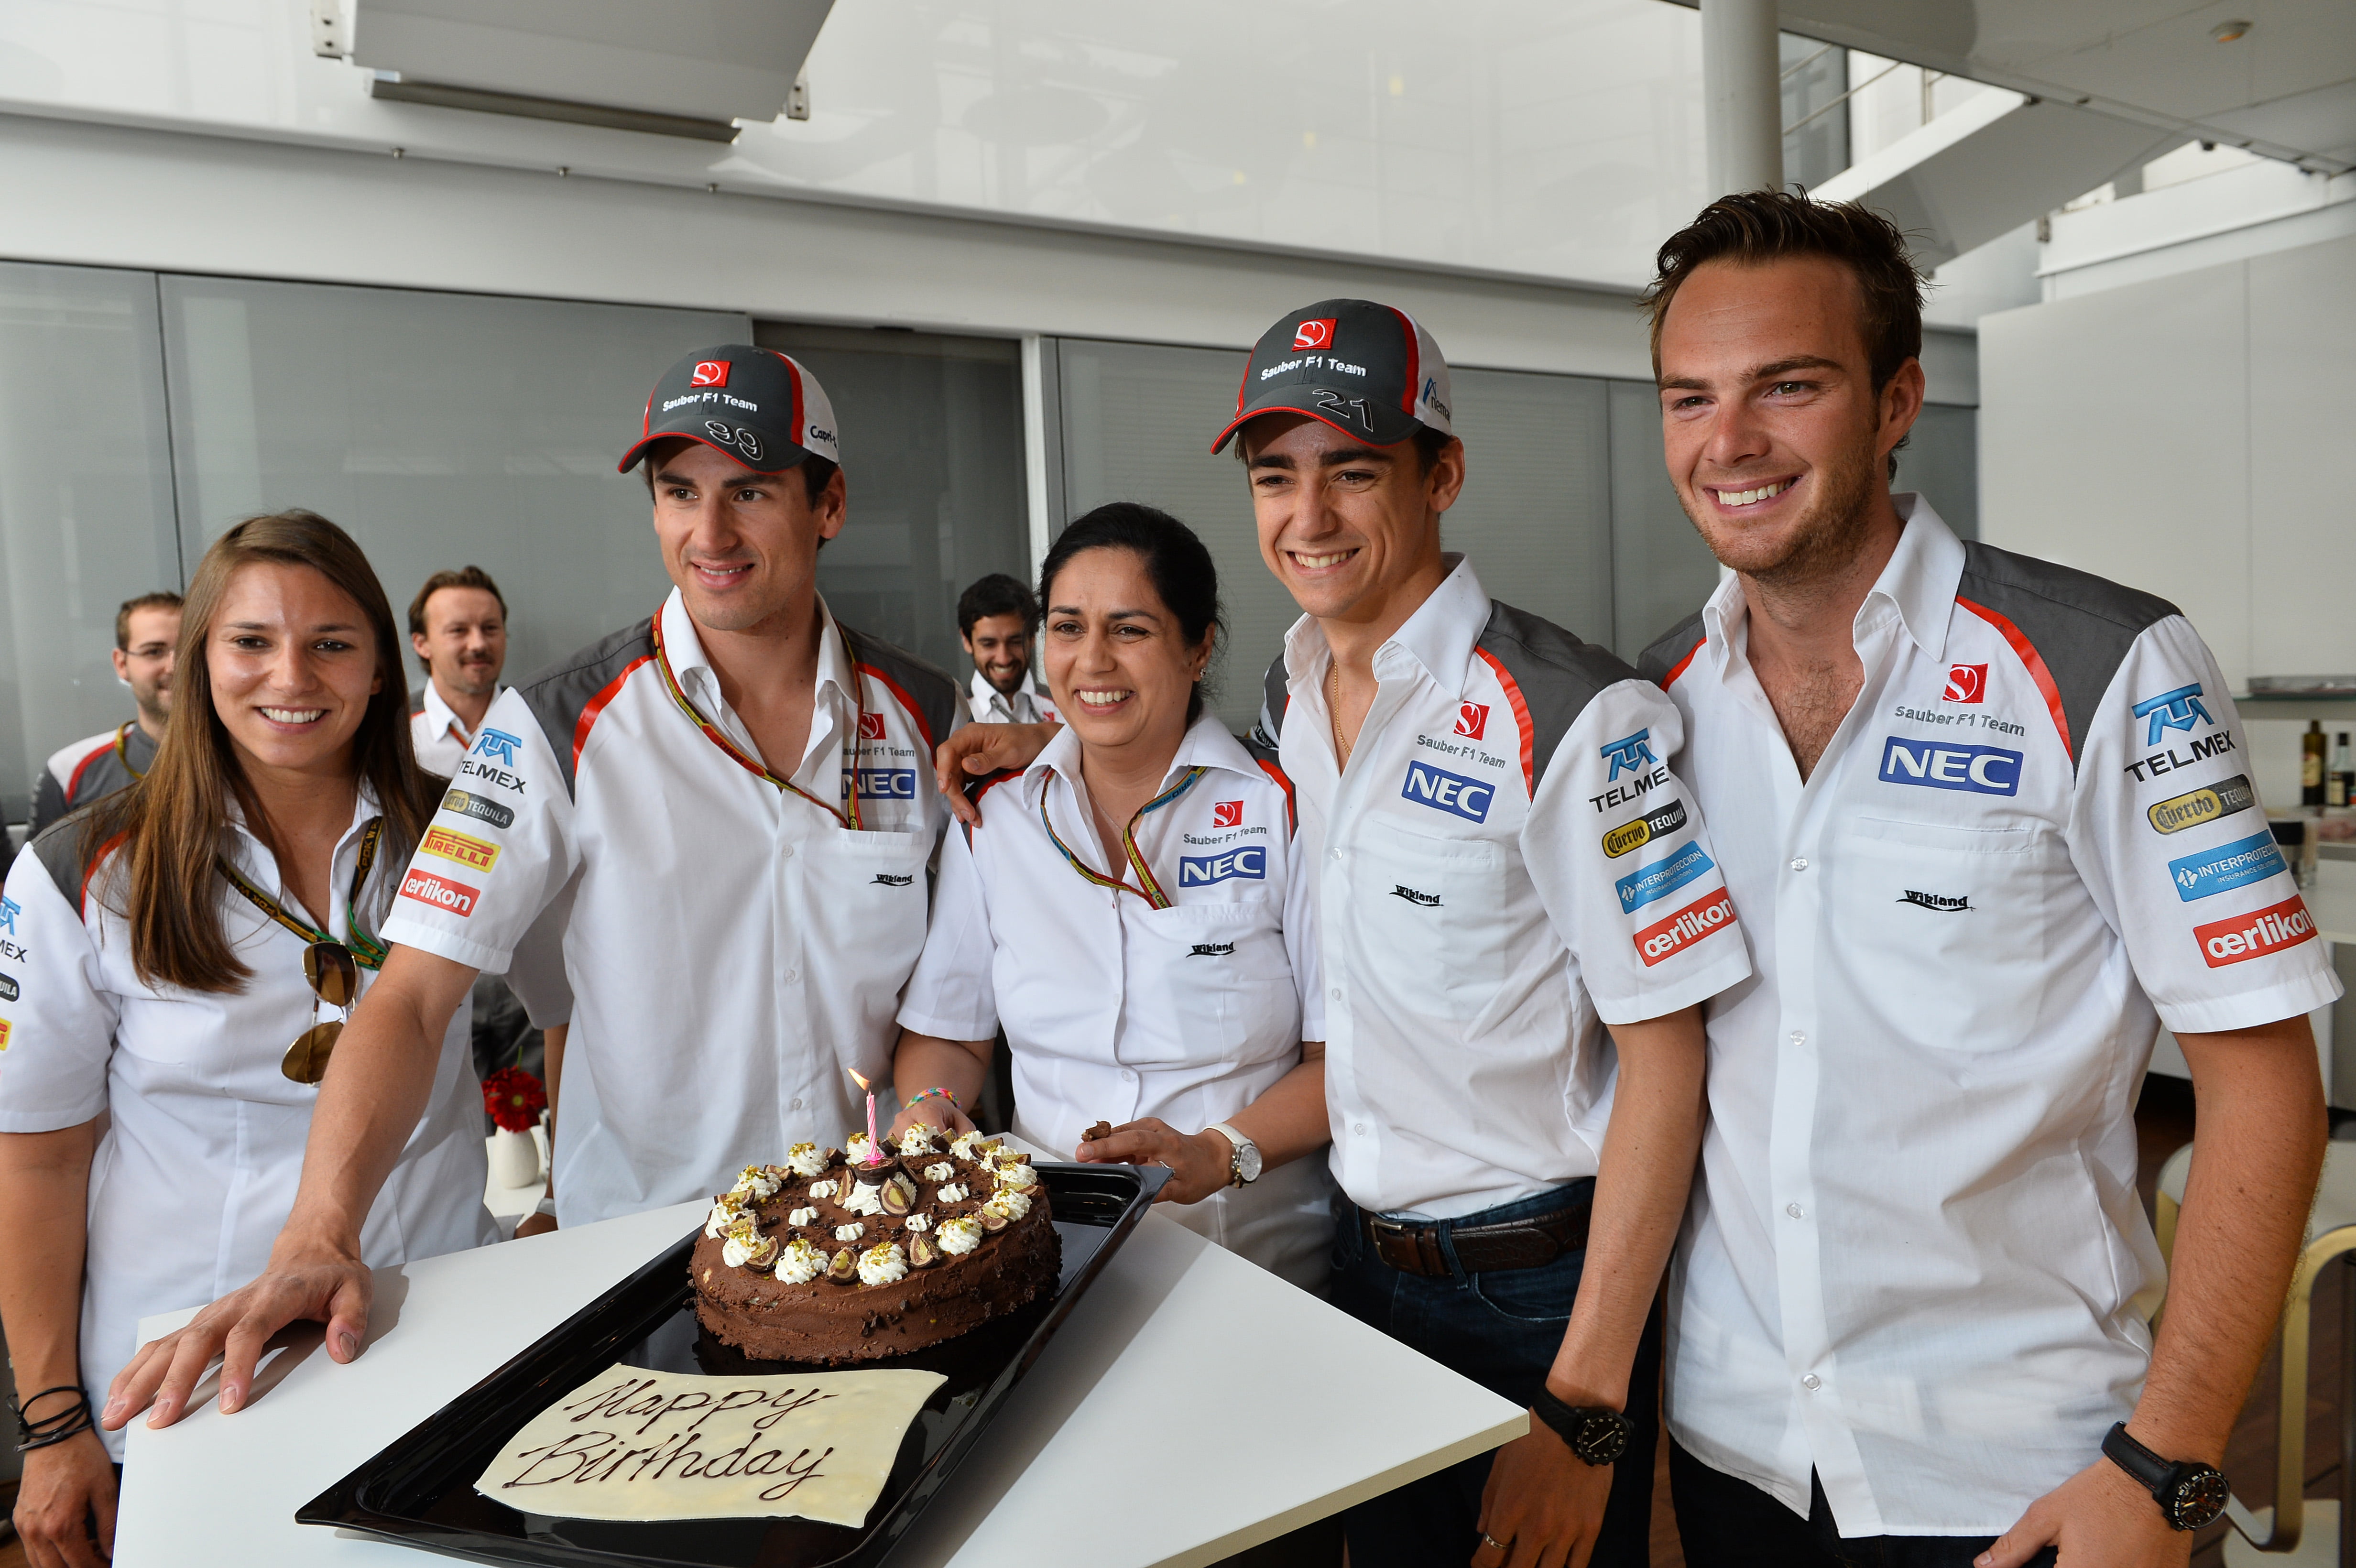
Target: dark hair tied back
(1175,560)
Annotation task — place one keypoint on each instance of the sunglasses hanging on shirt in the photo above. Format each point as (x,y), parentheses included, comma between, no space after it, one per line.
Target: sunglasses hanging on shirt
(331,967)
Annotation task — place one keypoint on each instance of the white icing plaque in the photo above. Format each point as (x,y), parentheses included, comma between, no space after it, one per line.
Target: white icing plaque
(636,1444)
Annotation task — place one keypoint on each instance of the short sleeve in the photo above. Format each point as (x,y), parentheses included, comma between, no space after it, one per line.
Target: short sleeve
(56,1018)
(2171,840)
(1301,937)
(1618,851)
(952,994)
(498,852)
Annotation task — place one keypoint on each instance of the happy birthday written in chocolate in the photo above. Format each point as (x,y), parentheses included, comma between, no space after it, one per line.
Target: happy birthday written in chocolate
(632,1445)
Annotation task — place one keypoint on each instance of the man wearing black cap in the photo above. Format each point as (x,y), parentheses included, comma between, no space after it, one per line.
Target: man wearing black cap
(718,810)
(1520,915)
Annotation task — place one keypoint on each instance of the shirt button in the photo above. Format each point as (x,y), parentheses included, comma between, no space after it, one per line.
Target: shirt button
(1800,864)
(1126,1076)
(797,1105)
(1359,1128)
(791,975)
(1335,853)
(1812,1382)
(785,851)
(1337,993)
(1799,1037)
(1793,1210)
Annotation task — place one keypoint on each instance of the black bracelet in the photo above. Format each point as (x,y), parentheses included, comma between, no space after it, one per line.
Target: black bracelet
(48,1429)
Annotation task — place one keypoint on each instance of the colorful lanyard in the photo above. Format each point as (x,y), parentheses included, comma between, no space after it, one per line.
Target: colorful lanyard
(849,817)
(366,951)
(1151,891)
(123,751)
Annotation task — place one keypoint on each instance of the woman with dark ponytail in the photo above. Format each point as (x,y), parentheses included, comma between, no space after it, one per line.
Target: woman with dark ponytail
(1132,912)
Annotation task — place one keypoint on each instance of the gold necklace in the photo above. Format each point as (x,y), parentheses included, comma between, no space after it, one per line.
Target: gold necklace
(1342,748)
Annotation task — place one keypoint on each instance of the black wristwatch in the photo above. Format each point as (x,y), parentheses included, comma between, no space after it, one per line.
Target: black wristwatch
(2190,1495)
(1596,1435)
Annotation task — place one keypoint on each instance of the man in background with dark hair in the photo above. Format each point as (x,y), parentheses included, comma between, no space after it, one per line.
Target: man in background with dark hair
(458,627)
(997,618)
(147,640)
(1988,824)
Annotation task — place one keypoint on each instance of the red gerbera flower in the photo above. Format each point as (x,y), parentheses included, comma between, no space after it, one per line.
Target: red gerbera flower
(514,1098)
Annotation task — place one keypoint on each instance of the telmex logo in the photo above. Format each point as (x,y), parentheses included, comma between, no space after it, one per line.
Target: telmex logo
(2222,798)
(710,373)
(1317,334)
(1450,793)
(1709,912)
(1201,870)
(1629,754)
(496,744)
(2248,937)
(2178,709)
(461,847)
(428,888)
(1983,770)
(8,911)
(887,783)
(1662,878)
(1645,830)
(2230,866)
(1966,683)
(475,807)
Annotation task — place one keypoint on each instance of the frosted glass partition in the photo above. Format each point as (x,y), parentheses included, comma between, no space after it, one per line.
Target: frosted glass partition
(1535,518)
(85,502)
(438,428)
(1941,459)
(1661,571)
(931,427)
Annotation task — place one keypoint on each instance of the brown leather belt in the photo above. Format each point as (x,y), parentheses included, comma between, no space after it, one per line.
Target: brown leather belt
(1413,1247)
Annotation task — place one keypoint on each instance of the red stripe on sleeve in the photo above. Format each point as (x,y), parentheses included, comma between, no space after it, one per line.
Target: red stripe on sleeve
(109,847)
(1284,782)
(73,784)
(2036,663)
(1521,719)
(596,705)
(1670,679)
(906,701)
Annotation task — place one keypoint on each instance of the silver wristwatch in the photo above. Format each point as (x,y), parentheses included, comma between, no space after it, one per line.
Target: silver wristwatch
(1244,1165)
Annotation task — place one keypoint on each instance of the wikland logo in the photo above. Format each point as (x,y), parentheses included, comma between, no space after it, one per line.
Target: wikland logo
(2178,709)
(497,746)
(1943,902)
(2248,937)
(1202,870)
(1662,878)
(1933,764)
(1212,950)
(2231,865)
(2222,798)
(1629,755)
(1451,792)
(889,879)
(1420,900)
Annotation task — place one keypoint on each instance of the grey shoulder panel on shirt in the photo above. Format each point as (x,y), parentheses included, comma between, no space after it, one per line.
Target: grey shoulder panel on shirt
(934,692)
(1670,651)
(66,850)
(1275,695)
(1559,675)
(2080,625)
(558,695)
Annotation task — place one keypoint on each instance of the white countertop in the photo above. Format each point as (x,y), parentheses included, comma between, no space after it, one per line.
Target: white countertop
(1251,1408)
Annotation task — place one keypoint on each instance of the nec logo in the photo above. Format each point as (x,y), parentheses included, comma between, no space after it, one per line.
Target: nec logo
(1471,718)
(9,910)
(2178,709)
(1983,770)
(1632,755)
(887,783)
(440,893)
(1317,334)
(1227,813)
(1966,683)
(871,726)
(1202,870)
(1451,792)
(498,745)
(710,373)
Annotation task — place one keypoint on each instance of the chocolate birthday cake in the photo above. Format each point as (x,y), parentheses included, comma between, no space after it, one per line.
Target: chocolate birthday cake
(845,1256)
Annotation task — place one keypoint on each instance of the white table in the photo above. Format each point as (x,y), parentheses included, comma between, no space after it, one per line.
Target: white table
(1247,1407)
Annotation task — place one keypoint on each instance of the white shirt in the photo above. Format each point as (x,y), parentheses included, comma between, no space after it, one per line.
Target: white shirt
(1026,705)
(198,1169)
(437,734)
(731,946)
(1917,1263)
(1477,932)
(1116,1009)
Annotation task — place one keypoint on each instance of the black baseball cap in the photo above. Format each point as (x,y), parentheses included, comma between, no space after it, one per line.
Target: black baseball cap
(756,405)
(1366,369)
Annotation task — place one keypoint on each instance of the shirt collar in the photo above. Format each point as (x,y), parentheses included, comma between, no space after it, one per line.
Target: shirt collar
(1207,744)
(1439,636)
(443,717)
(981,688)
(257,859)
(693,667)
(1918,584)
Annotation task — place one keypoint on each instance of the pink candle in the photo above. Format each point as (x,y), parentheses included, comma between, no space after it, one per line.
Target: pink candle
(874,1144)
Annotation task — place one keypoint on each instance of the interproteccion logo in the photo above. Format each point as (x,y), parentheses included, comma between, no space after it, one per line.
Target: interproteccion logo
(2230,866)
(1662,878)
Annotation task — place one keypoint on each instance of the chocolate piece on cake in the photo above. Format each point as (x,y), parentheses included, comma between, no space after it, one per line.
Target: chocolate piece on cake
(1101,1130)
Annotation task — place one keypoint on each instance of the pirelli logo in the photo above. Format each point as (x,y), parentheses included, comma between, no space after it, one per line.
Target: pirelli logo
(462,847)
(6,1029)
(2222,798)
(1645,830)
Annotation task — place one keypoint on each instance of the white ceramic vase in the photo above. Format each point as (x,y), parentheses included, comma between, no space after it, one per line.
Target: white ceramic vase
(515,1159)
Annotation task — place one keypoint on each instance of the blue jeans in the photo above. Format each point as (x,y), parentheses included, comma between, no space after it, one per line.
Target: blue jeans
(1727,1522)
(1501,1329)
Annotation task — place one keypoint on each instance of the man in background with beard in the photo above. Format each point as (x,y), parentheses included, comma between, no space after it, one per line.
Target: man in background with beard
(458,628)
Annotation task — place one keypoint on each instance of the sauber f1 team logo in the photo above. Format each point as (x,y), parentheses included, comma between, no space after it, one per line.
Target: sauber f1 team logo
(440,893)
(463,847)
(2248,937)
(1966,683)
(1317,334)
(1227,813)
(1471,718)
(871,726)
(710,373)
(1708,913)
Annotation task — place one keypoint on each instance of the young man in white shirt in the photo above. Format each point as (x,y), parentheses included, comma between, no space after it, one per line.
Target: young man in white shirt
(146,641)
(997,619)
(719,809)
(1989,825)
(458,628)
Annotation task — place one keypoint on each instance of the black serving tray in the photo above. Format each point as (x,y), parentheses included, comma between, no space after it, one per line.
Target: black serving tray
(420,1490)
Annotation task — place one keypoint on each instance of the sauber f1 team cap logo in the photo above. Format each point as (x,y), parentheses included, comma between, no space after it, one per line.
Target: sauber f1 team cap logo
(710,373)
(1317,334)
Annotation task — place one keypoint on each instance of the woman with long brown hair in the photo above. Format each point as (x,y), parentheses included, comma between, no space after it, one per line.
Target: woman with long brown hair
(178,957)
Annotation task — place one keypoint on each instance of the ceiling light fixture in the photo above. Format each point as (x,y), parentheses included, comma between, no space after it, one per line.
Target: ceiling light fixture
(2230,32)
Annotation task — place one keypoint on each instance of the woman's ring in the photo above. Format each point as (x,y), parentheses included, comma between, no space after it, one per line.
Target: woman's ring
(1489,1540)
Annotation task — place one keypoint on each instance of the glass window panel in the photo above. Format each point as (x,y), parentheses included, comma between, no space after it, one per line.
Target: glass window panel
(85,503)
(1661,570)
(1535,518)
(1941,459)
(931,427)
(439,430)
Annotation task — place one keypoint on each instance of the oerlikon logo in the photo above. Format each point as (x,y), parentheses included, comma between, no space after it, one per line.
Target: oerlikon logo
(1317,334)
(710,373)
(2248,937)
(440,893)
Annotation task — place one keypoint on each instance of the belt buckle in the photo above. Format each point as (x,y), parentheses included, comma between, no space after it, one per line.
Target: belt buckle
(1396,1245)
